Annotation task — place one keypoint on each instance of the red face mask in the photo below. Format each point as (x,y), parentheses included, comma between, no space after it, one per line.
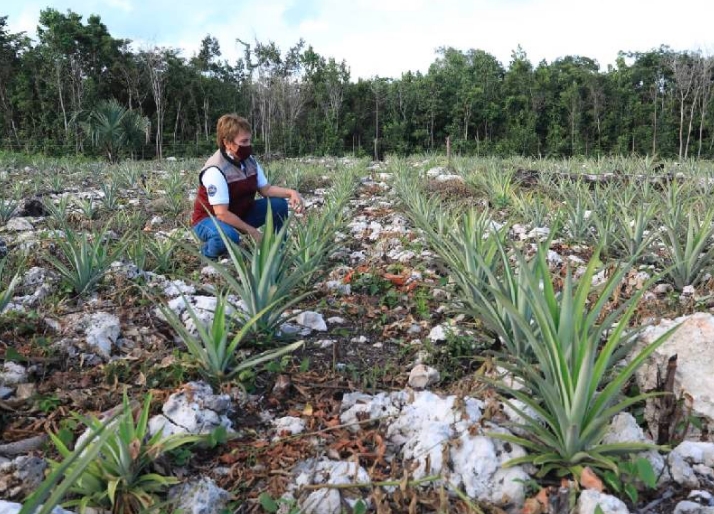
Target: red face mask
(244,152)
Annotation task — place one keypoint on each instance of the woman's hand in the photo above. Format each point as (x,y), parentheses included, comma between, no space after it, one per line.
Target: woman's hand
(295,201)
(255,234)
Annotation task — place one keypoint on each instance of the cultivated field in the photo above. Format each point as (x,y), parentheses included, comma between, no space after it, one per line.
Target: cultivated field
(421,325)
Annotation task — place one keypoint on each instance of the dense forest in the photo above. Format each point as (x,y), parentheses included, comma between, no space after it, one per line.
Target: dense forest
(78,89)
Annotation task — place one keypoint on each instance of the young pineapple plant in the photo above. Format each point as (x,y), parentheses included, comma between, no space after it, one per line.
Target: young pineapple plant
(7,290)
(215,347)
(7,210)
(687,238)
(83,260)
(633,232)
(574,385)
(121,478)
(266,277)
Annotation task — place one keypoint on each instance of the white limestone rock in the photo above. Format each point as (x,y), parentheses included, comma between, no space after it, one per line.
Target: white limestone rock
(194,410)
(450,178)
(553,258)
(102,331)
(19,225)
(35,277)
(539,233)
(662,289)
(128,270)
(438,333)
(7,507)
(327,501)
(362,407)
(288,425)
(693,343)
(176,288)
(590,500)
(200,496)
(21,476)
(426,429)
(624,429)
(338,287)
(689,461)
(312,320)
(702,497)
(422,376)
(436,171)
(203,308)
(12,374)
(690,507)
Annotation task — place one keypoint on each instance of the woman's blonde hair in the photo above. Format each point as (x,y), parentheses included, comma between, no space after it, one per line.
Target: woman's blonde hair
(228,127)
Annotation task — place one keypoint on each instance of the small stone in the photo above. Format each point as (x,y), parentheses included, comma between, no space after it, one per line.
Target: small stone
(194,410)
(288,425)
(553,258)
(7,507)
(282,386)
(102,332)
(688,291)
(422,376)
(12,374)
(539,232)
(19,225)
(202,496)
(312,320)
(662,289)
(590,500)
(690,507)
(450,178)
(414,329)
(438,333)
(338,287)
(25,391)
(702,497)
(325,343)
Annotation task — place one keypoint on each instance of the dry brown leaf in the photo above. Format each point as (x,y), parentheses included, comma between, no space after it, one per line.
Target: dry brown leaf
(532,506)
(135,449)
(542,496)
(589,480)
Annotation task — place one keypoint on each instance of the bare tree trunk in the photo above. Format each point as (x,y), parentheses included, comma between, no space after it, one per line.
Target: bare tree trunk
(691,121)
(176,124)
(61,98)
(156,67)
(682,69)
(205,117)
(705,97)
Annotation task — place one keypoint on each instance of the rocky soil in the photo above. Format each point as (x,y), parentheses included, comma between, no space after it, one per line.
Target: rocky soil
(381,409)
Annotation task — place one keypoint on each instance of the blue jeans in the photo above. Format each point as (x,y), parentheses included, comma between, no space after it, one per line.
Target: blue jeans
(207,229)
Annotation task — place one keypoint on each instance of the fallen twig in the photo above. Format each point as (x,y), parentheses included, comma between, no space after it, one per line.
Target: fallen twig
(23,446)
(386,483)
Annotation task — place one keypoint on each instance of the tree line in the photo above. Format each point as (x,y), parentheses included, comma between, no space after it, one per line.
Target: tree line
(79,90)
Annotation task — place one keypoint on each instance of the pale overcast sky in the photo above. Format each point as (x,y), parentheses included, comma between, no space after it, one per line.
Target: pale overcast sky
(389,37)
